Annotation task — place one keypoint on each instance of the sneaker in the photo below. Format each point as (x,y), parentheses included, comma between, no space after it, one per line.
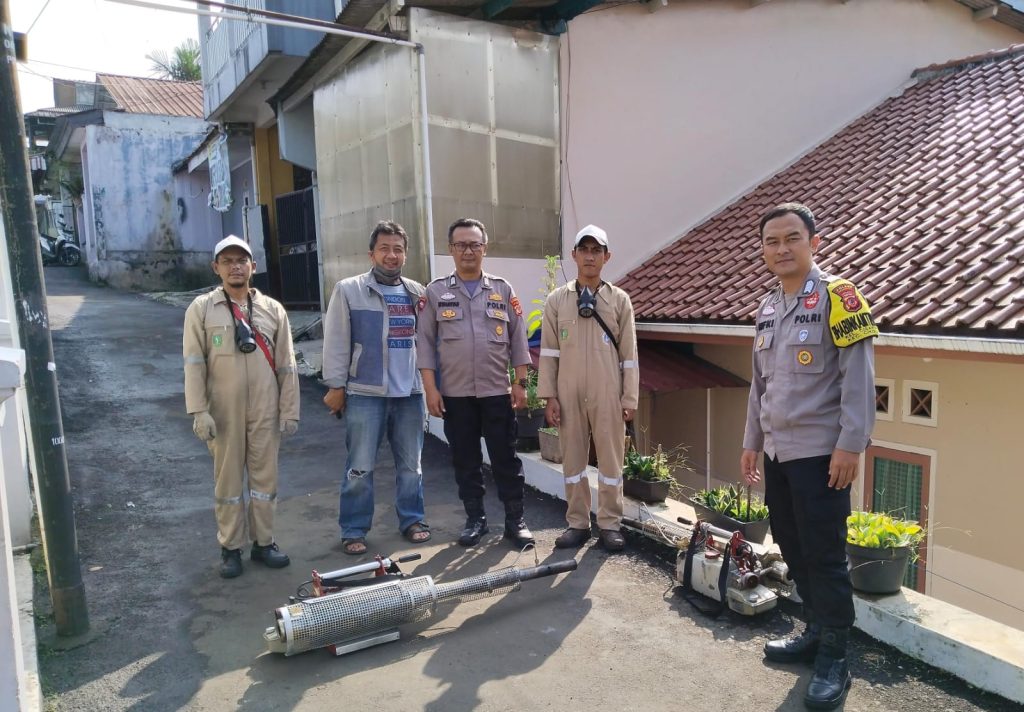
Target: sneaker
(230,563)
(269,555)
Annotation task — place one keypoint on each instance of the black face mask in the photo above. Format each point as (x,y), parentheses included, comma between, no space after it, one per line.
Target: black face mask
(586,303)
(244,338)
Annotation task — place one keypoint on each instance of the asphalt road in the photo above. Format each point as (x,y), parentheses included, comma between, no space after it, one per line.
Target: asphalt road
(169,634)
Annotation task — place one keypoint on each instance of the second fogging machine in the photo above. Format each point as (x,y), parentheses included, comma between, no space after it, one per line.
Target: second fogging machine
(346,614)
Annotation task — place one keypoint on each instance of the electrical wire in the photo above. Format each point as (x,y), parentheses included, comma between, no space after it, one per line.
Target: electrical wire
(45,5)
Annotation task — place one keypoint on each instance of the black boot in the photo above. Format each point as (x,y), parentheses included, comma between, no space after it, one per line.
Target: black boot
(230,563)
(270,555)
(515,527)
(831,677)
(800,648)
(476,523)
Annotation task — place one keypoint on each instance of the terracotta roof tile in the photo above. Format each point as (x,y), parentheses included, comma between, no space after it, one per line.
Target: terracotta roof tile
(920,202)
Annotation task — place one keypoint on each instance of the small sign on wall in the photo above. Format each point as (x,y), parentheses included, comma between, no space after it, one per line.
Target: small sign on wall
(220,174)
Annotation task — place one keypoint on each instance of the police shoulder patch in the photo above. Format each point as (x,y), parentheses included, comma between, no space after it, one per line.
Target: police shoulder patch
(849,319)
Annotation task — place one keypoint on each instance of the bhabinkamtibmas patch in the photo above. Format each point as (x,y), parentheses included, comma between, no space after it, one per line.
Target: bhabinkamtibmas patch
(849,318)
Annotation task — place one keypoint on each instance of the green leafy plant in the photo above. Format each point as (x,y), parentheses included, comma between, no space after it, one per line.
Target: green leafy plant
(181,65)
(550,282)
(533,401)
(732,503)
(878,530)
(649,468)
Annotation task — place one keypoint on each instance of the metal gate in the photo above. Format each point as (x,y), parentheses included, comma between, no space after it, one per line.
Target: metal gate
(296,245)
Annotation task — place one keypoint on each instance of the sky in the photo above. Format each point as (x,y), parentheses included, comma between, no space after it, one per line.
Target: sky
(89,36)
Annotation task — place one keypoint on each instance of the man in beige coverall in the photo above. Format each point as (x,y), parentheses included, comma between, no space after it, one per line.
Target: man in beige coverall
(592,387)
(244,394)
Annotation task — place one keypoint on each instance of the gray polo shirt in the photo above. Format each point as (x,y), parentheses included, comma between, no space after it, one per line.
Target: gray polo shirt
(808,395)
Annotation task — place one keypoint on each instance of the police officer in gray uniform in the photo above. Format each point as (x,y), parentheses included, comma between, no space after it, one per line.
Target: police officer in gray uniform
(811,410)
(470,329)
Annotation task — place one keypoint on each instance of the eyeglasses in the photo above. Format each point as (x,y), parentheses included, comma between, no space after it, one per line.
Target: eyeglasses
(467,246)
(229,262)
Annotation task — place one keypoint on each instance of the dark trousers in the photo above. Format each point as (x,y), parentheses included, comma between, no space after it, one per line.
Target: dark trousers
(466,420)
(808,521)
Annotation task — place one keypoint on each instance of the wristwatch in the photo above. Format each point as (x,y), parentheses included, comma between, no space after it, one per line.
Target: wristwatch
(523,382)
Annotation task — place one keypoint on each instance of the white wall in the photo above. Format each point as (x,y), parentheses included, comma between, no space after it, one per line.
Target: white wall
(133,236)
(670,116)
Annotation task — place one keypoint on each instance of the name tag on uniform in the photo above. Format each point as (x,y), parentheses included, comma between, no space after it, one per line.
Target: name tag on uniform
(497,314)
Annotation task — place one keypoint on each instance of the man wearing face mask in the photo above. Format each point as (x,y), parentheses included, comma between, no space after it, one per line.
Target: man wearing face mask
(370,368)
(242,388)
(590,377)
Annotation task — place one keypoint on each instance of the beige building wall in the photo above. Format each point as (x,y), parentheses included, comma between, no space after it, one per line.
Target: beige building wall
(976,487)
(670,116)
(976,483)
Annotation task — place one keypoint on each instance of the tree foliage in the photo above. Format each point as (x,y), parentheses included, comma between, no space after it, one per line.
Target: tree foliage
(181,65)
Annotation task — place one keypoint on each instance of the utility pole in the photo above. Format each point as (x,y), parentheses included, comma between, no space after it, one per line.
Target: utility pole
(57,515)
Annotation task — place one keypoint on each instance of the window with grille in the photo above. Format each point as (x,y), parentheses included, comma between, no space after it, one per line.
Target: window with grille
(884,404)
(921,402)
(897,484)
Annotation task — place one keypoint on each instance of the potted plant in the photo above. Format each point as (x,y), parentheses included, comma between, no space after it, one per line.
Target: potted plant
(530,419)
(550,448)
(550,282)
(880,547)
(727,508)
(647,477)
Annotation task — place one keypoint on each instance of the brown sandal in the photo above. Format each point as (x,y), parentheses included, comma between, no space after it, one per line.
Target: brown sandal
(414,532)
(355,546)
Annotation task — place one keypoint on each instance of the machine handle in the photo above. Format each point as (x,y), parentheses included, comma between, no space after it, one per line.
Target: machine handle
(721,533)
(408,557)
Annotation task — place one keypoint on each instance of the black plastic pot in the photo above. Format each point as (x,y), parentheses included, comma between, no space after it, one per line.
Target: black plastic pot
(527,424)
(751,531)
(649,492)
(878,571)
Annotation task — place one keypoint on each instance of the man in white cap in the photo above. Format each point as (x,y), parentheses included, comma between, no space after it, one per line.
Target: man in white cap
(242,388)
(590,377)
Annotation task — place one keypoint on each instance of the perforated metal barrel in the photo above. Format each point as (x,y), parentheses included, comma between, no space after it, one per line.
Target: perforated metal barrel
(359,612)
(318,622)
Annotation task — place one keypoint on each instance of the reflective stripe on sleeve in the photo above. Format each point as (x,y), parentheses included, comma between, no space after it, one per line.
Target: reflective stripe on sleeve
(286,369)
(553,353)
(195,359)
(575,479)
(629,364)
(612,481)
(228,501)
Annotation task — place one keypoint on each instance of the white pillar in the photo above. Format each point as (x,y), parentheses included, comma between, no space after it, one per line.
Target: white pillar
(13,686)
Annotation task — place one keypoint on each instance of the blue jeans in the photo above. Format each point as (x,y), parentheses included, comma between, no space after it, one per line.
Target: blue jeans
(367,420)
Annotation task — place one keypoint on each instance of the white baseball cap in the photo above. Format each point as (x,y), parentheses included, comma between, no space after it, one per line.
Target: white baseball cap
(591,231)
(231,241)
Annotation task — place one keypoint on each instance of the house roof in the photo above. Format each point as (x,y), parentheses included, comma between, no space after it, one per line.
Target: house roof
(920,202)
(138,95)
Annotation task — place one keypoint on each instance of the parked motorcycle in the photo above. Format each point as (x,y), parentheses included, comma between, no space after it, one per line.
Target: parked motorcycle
(59,250)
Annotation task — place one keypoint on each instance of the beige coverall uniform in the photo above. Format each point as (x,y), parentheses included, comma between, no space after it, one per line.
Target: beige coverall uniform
(247,401)
(593,384)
